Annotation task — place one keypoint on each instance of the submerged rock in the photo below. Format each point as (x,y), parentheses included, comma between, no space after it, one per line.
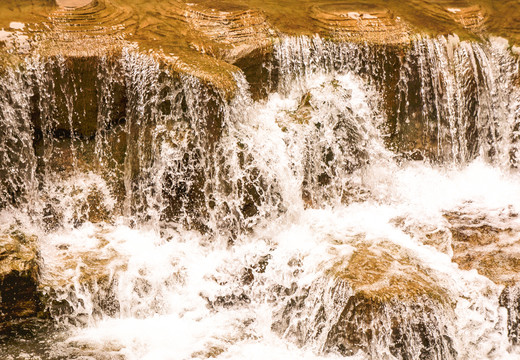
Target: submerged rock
(361,23)
(19,275)
(380,301)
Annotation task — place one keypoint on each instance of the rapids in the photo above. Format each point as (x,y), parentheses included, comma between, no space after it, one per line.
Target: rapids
(212,236)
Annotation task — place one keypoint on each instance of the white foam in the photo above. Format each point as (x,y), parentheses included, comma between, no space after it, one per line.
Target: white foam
(17,25)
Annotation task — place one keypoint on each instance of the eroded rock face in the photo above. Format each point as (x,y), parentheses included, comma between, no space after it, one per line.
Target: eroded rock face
(71,4)
(489,244)
(19,274)
(379,301)
(471,17)
(239,33)
(412,330)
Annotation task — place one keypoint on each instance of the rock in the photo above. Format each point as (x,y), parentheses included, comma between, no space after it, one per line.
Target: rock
(361,23)
(87,269)
(17,158)
(19,275)
(240,37)
(71,4)
(336,142)
(379,301)
(437,236)
(67,97)
(486,243)
(471,17)
(234,34)
(489,244)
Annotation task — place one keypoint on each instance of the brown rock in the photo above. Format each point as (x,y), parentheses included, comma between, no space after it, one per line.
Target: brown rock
(490,245)
(486,244)
(361,23)
(471,17)
(380,300)
(234,34)
(19,272)
(92,269)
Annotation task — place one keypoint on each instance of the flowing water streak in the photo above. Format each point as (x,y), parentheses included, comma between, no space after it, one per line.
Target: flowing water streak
(467,97)
(455,100)
(17,160)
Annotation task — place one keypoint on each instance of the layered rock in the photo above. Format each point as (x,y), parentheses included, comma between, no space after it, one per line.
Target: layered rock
(92,111)
(361,23)
(489,244)
(471,17)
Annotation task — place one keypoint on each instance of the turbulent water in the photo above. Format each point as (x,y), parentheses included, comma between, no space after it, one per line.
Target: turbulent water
(221,220)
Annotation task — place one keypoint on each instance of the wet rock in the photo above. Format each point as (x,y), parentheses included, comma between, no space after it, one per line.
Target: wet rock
(19,275)
(510,299)
(81,284)
(489,244)
(229,301)
(413,330)
(70,93)
(236,34)
(471,17)
(437,236)
(65,100)
(76,199)
(361,23)
(380,301)
(32,338)
(248,275)
(240,37)
(486,243)
(17,158)
(71,4)
(336,142)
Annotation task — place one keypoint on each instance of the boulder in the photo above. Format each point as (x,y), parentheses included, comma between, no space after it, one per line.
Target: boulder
(380,300)
(80,281)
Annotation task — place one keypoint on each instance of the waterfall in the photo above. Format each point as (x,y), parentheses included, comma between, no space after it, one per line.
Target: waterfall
(446,99)
(333,218)
(17,162)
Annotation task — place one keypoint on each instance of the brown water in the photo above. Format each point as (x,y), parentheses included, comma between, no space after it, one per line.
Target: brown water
(202,37)
(162,23)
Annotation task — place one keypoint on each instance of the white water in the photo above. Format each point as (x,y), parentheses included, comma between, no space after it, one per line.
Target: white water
(146,291)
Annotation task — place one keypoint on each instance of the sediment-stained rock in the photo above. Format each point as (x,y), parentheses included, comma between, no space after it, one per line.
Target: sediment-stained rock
(487,243)
(86,269)
(379,301)
(236,34)
(437,236)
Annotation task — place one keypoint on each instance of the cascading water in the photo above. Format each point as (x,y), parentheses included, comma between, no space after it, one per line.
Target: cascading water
(325,221)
